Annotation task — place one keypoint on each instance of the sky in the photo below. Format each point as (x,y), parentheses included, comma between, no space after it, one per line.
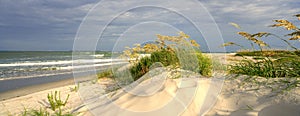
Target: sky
(55,25)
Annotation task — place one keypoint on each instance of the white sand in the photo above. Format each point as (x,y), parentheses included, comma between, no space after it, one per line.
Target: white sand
(15,106)
(239,99)
(174,98)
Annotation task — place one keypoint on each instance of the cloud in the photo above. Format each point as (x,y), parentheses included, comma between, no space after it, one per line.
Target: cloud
(253,16)
(58,21)
(41,21)
(254,11)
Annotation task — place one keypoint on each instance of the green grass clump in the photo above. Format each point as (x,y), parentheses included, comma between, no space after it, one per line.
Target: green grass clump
(165,57)
(170,51)
(75,89)
(297,53)
(43,112)
(106,73)
(269,53)
(263,68)
(141,68)
(205,64)
(56,105)
(33,112)
(169,58)
(55,100)
(290,65)
(283,67)
(267,62)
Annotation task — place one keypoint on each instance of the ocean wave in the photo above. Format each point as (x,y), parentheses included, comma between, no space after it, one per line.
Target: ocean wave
(55,70)
(98,55)
(84,61)
(90,66)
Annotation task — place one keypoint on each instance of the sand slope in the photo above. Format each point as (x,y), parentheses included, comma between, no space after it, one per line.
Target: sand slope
(183,96)
(37,100)
(176,97)
(245,99)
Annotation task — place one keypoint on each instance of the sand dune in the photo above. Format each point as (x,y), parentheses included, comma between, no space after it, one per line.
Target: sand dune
(160,95)
(177,96)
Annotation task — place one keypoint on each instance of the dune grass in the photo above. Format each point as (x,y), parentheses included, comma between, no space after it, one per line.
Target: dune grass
(106,73)
(269,53)
(267,62)
(165,57)
(56,107)
(170,51)
(282,67)
(34,112)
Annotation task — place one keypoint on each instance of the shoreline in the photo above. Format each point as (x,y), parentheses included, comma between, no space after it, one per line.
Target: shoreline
(11,88)
(15,93)
(34,97)
(14,88)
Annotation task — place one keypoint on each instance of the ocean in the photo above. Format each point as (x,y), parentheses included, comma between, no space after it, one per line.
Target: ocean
(24,64)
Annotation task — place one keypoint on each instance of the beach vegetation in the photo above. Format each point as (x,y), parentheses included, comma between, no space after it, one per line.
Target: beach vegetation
(169,43)
(165,57)
(283,67)
(75,88)
(273,53)
(267,62)
(205,64)
(55,109)
(55,100)
(33,112)
(105,74)
(171,51)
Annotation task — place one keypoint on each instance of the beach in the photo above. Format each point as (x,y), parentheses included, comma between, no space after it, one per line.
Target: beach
(149,58)
(185,96)
(38,98)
